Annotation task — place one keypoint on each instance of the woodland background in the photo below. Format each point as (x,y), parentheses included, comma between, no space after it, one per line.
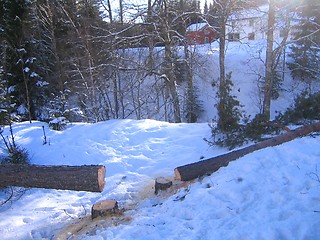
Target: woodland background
(88,61)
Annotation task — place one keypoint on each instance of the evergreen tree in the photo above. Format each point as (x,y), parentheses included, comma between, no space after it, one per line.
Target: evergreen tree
(228,132)
(205,8)
(15,54)
(27,56)
(4,99)
(224,8)
(75,75)
(40,42)
(229,110)
(306,46)
(211,16)
(269,71)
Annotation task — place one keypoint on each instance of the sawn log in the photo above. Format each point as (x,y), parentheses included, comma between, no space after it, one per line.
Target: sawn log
(78,178)
(208,166)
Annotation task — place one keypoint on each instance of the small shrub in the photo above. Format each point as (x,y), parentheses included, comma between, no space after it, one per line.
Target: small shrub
(250,131)
(306,108)
(258,127)
(193,105)
(58,124)
(3,117)
(230,140)
(16,155)
(229,108)
(227,131)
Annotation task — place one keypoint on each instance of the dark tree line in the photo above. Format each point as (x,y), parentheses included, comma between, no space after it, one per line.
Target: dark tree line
(41,51)
(306,45)
(66,57)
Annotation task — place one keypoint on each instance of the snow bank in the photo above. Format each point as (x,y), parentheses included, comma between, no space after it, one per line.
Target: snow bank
(270,194)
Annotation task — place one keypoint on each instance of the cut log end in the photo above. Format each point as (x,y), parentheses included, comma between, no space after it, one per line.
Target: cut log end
(104,208)
(177,175)
(161,184)
(101,177)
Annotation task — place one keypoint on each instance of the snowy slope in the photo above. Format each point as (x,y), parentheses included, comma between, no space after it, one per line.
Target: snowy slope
(271,194)
(246,62)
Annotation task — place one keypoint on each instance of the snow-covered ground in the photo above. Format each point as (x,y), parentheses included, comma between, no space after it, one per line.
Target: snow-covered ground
(273,193)
(270,194)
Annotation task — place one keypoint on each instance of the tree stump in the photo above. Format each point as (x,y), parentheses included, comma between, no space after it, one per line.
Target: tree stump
(104,208)
(162,183)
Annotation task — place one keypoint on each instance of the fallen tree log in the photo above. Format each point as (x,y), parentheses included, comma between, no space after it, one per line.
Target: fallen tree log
(79,178)
(208,166)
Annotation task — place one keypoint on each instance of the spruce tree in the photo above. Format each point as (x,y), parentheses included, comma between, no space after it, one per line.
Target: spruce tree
(24,60)
(306,47)
(13,51)
(205,8)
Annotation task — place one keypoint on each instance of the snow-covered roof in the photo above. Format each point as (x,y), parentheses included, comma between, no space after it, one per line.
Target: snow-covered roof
(251,13)
(196,27)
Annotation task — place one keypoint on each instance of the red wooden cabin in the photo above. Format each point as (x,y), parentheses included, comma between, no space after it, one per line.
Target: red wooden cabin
(200,33)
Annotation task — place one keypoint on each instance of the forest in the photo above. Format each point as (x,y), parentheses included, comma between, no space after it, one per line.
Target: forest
(87,60)
(97,61)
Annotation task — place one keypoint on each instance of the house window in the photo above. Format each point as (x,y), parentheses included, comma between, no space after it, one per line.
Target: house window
(206,32)
(251,22)
(251,36)
(206,40)
(234,37)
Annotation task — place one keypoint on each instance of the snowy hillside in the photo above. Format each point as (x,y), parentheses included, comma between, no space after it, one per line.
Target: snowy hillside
(270,194)
(246,62)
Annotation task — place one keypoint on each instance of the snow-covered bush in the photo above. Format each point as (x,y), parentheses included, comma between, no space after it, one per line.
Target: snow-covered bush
(58,124)
(306,108)
(15,153)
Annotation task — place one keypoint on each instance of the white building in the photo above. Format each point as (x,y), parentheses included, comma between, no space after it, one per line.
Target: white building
(252,24)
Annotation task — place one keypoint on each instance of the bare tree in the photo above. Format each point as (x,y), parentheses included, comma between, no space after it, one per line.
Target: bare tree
(106,5)
(224,9)
(269,61)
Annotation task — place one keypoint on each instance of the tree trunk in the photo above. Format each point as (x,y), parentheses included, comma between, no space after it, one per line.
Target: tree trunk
(194,170)
(26,87)
(169,62)
(171,79)
(269,62)
(78,178)
(109,10)
(222,55)
(222,83)
(191,98)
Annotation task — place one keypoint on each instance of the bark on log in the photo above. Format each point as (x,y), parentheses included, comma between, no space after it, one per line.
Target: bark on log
(79,178)
(162,183)
(104,208)
(208,166)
